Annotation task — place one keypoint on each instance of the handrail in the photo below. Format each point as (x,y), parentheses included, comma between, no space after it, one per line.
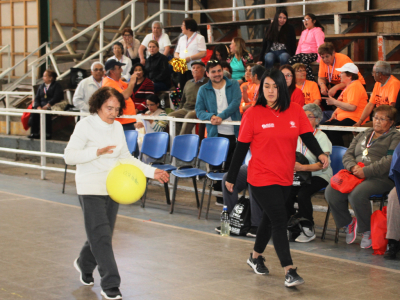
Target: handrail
(3,48)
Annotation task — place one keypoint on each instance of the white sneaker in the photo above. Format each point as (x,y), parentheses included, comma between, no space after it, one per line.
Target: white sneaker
(366,241)
(307,236)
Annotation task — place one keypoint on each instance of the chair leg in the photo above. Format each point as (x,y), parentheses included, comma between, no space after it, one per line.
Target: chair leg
(202,198)
(173,195)
(328,212)
(209,198)
(337,235)
(65,178)
(195,190)
(145,194)
(167,192)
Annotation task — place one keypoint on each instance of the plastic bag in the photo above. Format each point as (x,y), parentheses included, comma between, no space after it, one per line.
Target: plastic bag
(345,182)
(378,231)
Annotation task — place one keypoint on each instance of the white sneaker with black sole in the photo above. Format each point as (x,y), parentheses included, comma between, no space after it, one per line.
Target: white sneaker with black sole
(218,229)
(257,264)
(252,232)
(85,278)
(292,278)
(307,236)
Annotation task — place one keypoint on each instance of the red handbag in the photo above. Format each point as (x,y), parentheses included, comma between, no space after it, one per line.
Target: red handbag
(378,231)
(345,182)
(25,118)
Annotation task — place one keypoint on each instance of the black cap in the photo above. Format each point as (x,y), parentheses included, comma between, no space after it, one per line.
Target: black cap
(111,63)
(198,62)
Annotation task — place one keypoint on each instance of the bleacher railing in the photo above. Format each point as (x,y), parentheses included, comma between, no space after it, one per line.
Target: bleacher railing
(8,49)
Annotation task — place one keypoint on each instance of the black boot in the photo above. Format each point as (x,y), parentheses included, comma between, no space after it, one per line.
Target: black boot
(394,248)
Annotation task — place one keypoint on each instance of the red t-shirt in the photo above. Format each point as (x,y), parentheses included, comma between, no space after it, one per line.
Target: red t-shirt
(273,140)
(298,97)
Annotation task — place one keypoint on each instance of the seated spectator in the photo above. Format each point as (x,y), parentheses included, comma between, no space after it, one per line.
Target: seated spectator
(238,59)
(220,53)
(328,74)
(143,88)
(374,147)
(226,67)
(164,43)
(296,95)
(393,225)
(279,43)
(49,93)
(188,100)
(87,87)
(251,87)
(385,90)
(231,199)
(227,74)
(320,177)
(310,40)
(191,47)
(118,51)
(157,68)
(350,104)
(309,88)
(130,45)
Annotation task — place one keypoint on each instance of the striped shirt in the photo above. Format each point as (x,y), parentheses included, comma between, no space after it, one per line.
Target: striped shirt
(140,92)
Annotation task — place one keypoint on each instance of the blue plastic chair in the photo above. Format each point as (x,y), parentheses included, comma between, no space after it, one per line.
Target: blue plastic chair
(155,145)
(184,148)
(210,149)
(131,139)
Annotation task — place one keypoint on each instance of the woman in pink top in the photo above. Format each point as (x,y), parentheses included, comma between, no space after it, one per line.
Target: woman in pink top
(311,38)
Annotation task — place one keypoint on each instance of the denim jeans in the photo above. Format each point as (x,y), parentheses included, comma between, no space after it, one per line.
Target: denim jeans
(280,56)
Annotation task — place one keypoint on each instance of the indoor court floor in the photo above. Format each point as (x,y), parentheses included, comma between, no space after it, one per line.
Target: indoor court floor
(163,256)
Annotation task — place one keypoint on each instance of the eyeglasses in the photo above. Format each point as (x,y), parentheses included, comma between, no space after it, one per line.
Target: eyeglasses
(148,105)
(305,20)
(98,70)
(127,35)
(288,75)
(312,117)
(300,71)
(380,119)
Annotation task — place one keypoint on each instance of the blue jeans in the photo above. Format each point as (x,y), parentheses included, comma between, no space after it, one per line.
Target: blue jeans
(280,56)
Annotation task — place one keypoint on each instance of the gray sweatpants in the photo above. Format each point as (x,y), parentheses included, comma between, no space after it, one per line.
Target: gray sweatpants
(393,216)
(100,214)
(231,199)
(359,201)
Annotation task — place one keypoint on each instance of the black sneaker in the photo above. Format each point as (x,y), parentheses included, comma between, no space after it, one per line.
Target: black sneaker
(85,278)
(220,201)
(393,249)
(112,293)
(252,232)
(218,229)
(292,278)
(257,264)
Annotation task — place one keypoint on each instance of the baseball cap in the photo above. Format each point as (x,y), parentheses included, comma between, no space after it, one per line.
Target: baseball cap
(198,62)
(349,67)
(111,63)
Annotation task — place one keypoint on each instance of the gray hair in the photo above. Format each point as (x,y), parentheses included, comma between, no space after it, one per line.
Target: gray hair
(259,70)
(96,63)
(227,74)
(157,22)
(316,111)
(383,67)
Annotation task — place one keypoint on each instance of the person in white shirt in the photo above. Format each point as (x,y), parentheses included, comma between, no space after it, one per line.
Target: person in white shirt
(191,47)
(96,146)
(87,87)
(162,39)
(120,57)
(131,45)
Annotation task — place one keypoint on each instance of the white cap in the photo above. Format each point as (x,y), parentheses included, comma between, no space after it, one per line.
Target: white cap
(349,67)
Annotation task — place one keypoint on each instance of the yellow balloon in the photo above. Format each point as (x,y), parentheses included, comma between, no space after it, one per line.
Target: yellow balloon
(126,184)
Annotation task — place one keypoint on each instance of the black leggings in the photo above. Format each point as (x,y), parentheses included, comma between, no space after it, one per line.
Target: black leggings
(272,200)
(335,136)
(306,59)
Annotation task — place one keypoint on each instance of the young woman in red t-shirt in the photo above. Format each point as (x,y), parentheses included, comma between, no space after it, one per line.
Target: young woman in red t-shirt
(271,129)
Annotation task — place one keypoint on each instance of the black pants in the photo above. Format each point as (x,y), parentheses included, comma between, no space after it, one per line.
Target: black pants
(35,124)
(335,136)
(100,214)
(183,78)
(302,195)
(306,59)
(272,200)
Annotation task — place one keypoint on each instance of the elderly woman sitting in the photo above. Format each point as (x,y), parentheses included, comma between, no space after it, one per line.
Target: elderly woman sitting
(374,147)
(320,177)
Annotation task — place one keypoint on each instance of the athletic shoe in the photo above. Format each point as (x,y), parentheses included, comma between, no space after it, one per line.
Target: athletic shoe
(220,201)
(351,231)
(292,278)
(112,293)
(307,236)
(366,241)
(85,278)
(393,249)
(218,229)
(257,264)
(252,232)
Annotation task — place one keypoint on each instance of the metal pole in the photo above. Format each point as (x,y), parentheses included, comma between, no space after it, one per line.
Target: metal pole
(304,8)
(9,63)
(43,144)
(133,15)
(47,58)
(7,117)
(33,81)
(101,41)
(234,11)
(186,8)
(161,9)
(172,130)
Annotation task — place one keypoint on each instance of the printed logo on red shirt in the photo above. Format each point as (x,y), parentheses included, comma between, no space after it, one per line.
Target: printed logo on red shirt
(292,124)
(269,125)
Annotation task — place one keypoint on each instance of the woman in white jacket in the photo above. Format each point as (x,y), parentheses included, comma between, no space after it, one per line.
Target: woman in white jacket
(96,146)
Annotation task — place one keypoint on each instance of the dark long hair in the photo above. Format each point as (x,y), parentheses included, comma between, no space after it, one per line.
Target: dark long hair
(273,34)
(102,95)
(292,87)
(222,51)
(317,23)
(283,101)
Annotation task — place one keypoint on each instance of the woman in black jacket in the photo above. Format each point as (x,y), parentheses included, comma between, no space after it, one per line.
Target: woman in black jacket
(49,93)
(279,43)
(157,68)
